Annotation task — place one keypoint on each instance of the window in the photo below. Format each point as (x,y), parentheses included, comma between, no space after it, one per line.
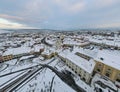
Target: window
(98,70)
(107,74)
(118,80)
(100,65)
(109,69)
(118,75)
(84,79)
(84,75)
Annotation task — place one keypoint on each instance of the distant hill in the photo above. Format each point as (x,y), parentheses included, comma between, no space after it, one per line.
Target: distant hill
(3,31)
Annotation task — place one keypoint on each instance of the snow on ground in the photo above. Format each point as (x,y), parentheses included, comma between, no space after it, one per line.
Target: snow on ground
(26,57)
(6,79)
(61,86)
(13,68)
(3,66)
(83,85)
(39,61)
(61,66)
(42,83)
(11,62)
(109,83)
(36,60)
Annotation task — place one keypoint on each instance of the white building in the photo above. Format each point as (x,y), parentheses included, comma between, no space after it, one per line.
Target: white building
(81,66)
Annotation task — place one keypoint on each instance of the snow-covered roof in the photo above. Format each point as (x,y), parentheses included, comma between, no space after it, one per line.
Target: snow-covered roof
(110,58)
(87,52)
(115,42)
(50,41)
(26,57)
(18,50)
(86,65)
(73,42)
(38,47)
(48,51)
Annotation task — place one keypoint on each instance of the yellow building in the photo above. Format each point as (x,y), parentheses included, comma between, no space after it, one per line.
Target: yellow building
(108,71)
(108,64)
(7,57)
(48,55)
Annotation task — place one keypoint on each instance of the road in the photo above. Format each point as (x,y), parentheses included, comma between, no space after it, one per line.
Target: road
(16,83)
(19,70)
(52,83)
(34,70)
(66,78)
(4,67)
(12,86)
(44,42)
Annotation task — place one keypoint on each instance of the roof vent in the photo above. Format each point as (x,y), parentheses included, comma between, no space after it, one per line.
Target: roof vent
(101,58)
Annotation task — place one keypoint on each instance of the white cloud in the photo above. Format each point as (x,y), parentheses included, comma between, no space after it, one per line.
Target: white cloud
(104,3)
(71,6)
(49,6)
(11,17)
(75,7)
(60,13)
(4,23)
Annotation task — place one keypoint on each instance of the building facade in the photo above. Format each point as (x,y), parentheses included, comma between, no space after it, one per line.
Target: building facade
(84,75)
(108,71)
(7,57)
(79,66)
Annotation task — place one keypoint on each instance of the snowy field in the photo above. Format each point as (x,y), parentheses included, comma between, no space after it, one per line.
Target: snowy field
(46,81)
(25,49)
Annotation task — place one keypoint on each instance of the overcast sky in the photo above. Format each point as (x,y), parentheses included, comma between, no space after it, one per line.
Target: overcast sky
(59,14)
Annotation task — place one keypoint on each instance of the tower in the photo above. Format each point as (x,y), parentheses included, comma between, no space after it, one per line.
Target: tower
(59,42)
